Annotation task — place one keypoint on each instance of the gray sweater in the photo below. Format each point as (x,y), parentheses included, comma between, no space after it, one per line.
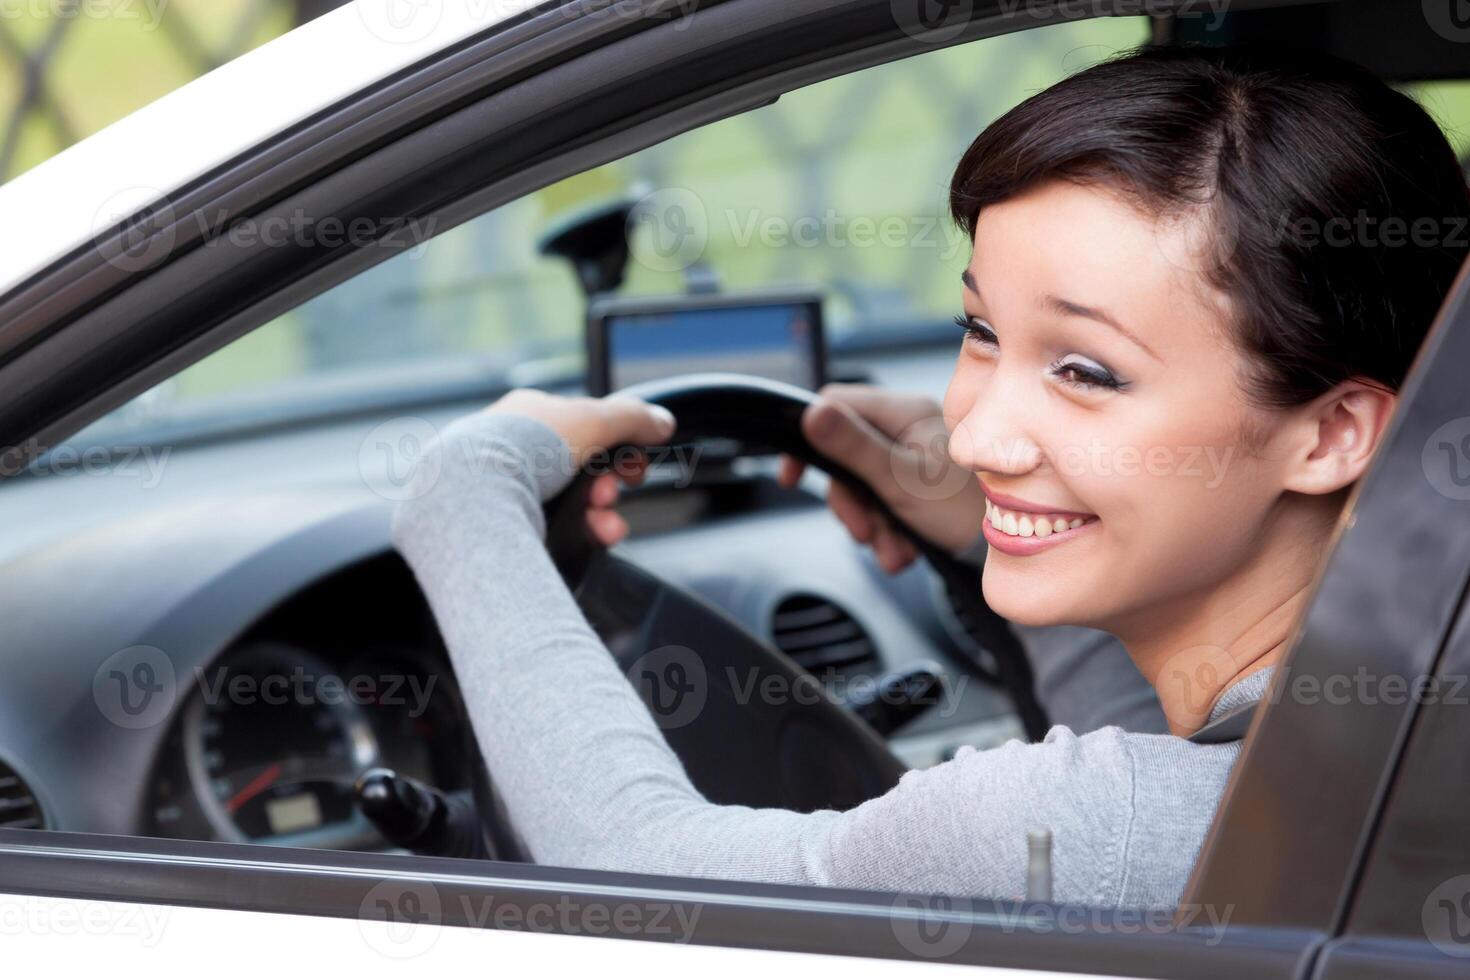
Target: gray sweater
(589,781)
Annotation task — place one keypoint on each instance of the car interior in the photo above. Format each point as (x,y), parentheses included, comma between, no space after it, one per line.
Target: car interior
(243,523)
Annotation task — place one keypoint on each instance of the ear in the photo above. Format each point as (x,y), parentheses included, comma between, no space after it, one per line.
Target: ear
(1338,433)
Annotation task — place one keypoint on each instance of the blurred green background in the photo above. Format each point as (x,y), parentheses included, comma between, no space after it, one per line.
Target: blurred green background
(70,67)
(841,186)
(792,194)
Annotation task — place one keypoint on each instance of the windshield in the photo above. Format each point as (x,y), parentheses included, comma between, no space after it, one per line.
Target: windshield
(840,187)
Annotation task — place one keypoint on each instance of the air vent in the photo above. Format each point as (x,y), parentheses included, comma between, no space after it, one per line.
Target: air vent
(18,807)
(822,637)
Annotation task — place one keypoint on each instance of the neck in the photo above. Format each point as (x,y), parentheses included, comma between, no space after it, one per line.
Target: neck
(1195,647)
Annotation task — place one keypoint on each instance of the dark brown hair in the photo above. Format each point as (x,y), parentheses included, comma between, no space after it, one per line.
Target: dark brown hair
(1339,215)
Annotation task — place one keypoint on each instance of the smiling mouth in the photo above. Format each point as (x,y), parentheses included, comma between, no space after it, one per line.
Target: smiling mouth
(1013,531)
(1025,524)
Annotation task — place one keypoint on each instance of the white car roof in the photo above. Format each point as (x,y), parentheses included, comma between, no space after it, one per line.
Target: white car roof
(65,201)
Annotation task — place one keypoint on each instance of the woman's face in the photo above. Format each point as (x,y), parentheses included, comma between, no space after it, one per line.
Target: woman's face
(1097,398)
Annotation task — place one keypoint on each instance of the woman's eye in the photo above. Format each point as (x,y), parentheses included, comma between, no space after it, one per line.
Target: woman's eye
(977,330)
(1082,372)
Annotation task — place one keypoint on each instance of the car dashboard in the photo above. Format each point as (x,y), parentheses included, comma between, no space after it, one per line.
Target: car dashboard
(217,655)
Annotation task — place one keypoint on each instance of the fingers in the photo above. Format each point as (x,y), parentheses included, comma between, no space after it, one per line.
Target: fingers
(838,431)
(854,514)
(589,425)
(635,470)
(789,475)
(604,491)
(636,422)
(893,551)
(607,526)
(629,466)
(605,523)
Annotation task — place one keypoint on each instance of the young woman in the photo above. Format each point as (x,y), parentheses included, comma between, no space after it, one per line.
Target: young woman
(1198,278)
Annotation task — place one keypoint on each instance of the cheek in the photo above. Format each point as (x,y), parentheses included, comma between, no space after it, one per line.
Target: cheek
(1181,504)
(1194,524)
(1163,488)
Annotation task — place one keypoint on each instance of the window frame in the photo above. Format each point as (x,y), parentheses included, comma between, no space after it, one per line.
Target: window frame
(1404,886)
(895,926)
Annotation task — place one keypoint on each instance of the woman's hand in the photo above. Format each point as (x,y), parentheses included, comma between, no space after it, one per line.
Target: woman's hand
(592,425)
(899,444)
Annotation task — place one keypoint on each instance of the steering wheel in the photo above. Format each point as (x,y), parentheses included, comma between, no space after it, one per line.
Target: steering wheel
(798,753)
(703,675)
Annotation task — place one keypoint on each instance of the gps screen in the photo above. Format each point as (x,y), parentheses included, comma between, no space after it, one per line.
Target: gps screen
(779,341)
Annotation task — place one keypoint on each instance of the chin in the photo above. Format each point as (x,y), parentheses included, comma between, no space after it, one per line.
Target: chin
(1026,603)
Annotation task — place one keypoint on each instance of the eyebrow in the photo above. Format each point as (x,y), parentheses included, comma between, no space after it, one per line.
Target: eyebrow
(1066,307)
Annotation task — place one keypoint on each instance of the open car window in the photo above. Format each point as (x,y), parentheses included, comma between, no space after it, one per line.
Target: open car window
(789,194)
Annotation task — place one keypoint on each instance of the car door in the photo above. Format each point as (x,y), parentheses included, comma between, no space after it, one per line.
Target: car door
(1407,912)
(1410,913)
(478,126)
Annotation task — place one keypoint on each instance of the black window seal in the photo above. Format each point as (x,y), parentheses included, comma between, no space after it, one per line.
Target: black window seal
(387,110)
(466,893)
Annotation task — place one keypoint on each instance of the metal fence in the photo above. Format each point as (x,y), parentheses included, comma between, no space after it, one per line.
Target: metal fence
(57,58)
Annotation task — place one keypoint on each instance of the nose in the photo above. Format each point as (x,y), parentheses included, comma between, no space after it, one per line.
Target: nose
(993,436)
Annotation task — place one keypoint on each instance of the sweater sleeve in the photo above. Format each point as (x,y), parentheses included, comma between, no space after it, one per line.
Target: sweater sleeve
(588,779)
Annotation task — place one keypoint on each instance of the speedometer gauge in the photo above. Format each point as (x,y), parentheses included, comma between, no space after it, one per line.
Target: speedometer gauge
(273,746)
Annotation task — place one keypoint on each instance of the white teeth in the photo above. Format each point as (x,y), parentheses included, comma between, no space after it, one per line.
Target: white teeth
(1022,525)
